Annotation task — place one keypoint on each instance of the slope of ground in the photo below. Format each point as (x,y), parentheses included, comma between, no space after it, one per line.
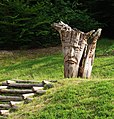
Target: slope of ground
(69,99)
(72,99)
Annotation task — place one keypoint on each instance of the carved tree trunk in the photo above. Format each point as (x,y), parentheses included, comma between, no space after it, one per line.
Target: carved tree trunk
(89,56)
(78,54)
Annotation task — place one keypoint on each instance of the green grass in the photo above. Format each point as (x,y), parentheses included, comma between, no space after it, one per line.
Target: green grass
(34,64)
(48,63)
(70,98)
(105,47)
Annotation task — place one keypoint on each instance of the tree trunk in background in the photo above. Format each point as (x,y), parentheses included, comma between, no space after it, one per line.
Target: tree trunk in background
(78,54)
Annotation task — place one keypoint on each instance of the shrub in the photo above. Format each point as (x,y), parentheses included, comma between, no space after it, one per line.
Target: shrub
(27,24)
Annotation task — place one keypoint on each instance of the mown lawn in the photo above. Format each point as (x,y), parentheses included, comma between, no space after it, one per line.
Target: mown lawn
(48,63)
(70,98)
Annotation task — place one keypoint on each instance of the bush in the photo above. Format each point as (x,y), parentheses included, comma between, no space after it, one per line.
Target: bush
(27,24)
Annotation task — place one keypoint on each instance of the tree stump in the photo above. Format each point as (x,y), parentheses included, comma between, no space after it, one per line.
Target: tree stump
(78,49)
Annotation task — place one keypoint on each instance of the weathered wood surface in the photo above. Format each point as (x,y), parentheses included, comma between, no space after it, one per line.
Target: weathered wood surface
(5,106)
(25,96)
(53,81)
(32,81)
(90,54)
(26,81)
(4,112)
(22,85)
(46,82)
(15,103)
(75,47)
(10,81)
(34,88)
(15,91)
(40,92)
(10,98)
(3,87)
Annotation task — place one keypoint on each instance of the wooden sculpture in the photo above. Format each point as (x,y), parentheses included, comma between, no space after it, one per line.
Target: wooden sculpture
(78,53)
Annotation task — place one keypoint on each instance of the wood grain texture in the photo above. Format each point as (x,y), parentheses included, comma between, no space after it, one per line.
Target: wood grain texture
(89,59)
(76,50)
(10,98)
(15,91)
(22,85)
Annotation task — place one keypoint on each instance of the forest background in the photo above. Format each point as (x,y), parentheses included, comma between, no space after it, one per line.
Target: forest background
(26,24)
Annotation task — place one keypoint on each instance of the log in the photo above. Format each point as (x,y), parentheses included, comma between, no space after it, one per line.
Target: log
(5,106)
(5,83)
(40,92)
(15,103)
(28,100)
(46,82)
(22,85)
(10,81)
(53,81)
(75,47)
(10,98)
(25,96)
(12,91)
(31,81)
(3,87)
(34,88)
(47,86)
(25,81)
(4,112)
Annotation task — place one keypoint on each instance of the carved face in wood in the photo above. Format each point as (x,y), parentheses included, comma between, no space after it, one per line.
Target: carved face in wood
(77,53)
(70,54)
(70,45)
(73,46)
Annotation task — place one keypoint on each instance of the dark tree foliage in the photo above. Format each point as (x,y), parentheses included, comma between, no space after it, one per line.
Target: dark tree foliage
(102,11)
(23,25)
(27,23)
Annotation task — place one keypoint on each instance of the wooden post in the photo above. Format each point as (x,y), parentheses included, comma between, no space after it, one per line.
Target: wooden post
(76,50)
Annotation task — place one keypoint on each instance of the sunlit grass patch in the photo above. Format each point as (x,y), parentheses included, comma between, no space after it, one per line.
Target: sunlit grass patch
(73,99)
(103,67)
(70,98)
(48,63)
(105,47)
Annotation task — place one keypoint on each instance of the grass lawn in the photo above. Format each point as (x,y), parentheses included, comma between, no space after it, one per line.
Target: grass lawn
(48,63)
(71,98)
